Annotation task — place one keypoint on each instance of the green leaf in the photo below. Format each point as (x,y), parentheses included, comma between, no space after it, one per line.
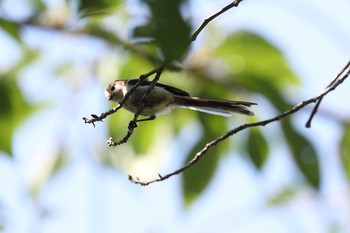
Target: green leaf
(167,28)
(28,57)
(344,148)
(196,178)
(267,89)
(282,197)
(39,6)
(134,67)
(303,152)
(181,117)
(101,7)
(14,108)
(257,147)
(144,136)
(2,227)
(97,31)
(143,55)
(118,122)
(11,28)
(247,54)
(258,66)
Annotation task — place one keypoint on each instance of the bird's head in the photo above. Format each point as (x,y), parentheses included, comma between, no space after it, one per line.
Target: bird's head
(116,91)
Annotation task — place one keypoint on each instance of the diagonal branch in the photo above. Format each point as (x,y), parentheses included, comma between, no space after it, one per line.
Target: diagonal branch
(315,109)
(211,18)
(332,86)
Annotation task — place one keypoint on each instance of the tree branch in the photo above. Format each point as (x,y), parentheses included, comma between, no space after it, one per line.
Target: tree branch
(211,18)
(332,86)
(314,111)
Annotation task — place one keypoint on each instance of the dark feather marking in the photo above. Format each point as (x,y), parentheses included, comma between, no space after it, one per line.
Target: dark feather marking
(171,89)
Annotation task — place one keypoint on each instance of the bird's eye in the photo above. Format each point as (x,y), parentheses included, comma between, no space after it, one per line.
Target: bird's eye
(112,88)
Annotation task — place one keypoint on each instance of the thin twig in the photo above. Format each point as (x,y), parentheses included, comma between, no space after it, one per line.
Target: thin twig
(336,82)
(315,109)
(208,20)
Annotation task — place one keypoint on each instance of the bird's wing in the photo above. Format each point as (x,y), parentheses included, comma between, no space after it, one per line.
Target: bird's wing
(171,89)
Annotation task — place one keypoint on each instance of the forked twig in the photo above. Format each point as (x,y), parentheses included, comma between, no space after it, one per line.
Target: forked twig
(315,109)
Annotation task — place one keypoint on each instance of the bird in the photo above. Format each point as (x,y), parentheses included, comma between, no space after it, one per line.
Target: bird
(164,98)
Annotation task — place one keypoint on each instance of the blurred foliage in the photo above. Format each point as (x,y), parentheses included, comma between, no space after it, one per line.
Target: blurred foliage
(11,28)
(248,55)
(283,196)
(246,60)
(166,28)
(345,149)
(304,154)
(196,179)
(13,109)
(2,219)
(261,68)
(257,147)
(14,106)
(93,8)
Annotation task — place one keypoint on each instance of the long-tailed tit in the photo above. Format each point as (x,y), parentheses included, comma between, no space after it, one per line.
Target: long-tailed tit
(164,98)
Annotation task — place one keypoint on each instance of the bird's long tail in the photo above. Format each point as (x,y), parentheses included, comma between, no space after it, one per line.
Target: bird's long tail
(216,107)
